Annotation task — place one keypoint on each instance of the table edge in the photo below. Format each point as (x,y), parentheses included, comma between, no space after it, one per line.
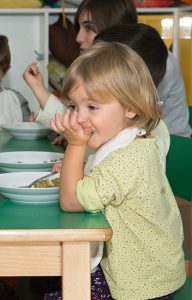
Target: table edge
(55,235)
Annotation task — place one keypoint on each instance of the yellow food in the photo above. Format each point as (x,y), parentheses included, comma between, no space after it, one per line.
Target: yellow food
(48,183)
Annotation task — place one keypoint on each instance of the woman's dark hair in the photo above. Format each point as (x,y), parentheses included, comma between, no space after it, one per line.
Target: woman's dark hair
(107,13)
(143,39)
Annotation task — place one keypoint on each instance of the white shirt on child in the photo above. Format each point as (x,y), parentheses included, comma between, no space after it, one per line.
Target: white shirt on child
(10,108)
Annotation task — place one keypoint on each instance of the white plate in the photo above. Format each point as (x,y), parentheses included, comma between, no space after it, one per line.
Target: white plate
(27,130)
(28,161)
(9,188)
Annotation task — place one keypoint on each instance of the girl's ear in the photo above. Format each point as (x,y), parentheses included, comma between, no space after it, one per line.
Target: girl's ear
(130,114)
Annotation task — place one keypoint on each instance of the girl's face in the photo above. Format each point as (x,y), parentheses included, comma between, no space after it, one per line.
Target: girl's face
(106,120)
(87,32)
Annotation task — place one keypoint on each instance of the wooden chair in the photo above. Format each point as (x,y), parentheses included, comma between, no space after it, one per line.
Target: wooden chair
(179,173)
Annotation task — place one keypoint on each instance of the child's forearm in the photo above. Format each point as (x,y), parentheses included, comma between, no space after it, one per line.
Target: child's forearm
(42,95)
(72,171)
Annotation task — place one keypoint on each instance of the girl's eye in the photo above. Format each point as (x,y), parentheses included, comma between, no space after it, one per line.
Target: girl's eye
(72,107)
(92,107)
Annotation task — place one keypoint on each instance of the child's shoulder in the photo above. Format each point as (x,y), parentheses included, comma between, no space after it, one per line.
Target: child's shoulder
(140,149)
(13,93)
(139,146)
(8,91)
(130,162)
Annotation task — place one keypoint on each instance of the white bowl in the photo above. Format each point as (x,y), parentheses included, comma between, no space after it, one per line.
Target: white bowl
(9,188)
(28,161)
(27,130)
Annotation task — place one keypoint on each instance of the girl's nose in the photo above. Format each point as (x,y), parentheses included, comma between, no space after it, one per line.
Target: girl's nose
(82,116)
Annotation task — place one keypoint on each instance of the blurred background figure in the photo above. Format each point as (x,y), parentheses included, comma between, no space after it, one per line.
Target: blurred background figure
(13,106)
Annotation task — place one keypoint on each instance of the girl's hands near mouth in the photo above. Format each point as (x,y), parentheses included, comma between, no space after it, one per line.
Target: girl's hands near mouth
(74,133)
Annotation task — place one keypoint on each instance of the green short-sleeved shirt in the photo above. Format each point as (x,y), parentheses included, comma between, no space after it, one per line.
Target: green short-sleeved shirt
(144,259)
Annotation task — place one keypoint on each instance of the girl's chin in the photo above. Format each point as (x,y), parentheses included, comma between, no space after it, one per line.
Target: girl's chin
(93,145)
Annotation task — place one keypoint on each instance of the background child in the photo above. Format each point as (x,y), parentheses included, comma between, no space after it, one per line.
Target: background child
(113,107)
(13,106)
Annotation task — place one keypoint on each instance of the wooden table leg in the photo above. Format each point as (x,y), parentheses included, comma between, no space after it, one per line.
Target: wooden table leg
(76,278)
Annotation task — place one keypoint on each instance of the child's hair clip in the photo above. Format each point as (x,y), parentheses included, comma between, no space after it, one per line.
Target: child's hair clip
(141,132)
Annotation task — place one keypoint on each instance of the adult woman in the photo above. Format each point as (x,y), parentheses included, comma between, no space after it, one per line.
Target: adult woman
(94,16)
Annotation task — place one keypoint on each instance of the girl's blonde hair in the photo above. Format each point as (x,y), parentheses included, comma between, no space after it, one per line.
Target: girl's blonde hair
(112,70)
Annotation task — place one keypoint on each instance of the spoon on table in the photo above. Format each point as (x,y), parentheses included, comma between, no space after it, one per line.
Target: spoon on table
(36,180)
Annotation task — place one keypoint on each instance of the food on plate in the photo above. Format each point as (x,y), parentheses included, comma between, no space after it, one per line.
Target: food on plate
(47,183)
(54,160)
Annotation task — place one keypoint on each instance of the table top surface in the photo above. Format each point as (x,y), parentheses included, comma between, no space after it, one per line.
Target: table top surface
(20,216)
(8,143)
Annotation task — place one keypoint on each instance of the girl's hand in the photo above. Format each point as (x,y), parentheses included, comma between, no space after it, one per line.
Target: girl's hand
(71,129)
(32,75)
(56,168)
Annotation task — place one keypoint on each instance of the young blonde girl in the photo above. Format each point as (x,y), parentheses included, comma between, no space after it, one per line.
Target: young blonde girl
(113,107)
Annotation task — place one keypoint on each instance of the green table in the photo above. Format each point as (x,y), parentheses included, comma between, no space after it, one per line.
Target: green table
(8,143)
(42,240)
